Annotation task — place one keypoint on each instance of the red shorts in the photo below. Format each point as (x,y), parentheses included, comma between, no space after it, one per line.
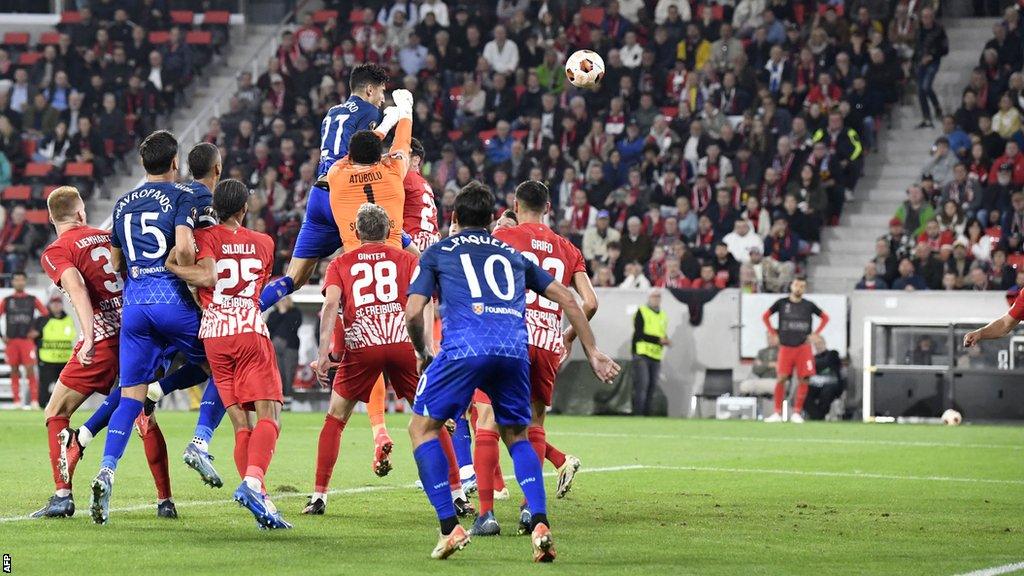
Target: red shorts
(21,352)
(99,376)
(361,367)
(800,358)
(244,369)
(543,370)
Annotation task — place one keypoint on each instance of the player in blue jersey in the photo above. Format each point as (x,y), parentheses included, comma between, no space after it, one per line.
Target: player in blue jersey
(319,237)
(481,283)
(150,224)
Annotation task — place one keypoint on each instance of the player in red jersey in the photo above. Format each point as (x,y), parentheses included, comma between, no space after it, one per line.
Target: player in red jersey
(1000,326)
(19,311)
(547,343)
(79,262)
(232,265)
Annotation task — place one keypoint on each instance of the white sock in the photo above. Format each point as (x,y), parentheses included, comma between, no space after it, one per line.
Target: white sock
(63,492)
(320,496)
(154,392)
(467,472)
(254,483)
(84,436)
(458,493)
(200,443)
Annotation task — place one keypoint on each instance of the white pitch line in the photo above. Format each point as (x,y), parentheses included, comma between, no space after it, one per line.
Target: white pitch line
(996,570)
(909,443)
(828,474)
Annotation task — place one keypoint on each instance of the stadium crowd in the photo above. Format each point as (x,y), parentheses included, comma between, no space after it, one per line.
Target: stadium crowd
(961,226)
(724,137)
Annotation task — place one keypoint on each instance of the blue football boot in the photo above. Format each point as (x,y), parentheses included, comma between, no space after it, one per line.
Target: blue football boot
(202,461)
(56,507)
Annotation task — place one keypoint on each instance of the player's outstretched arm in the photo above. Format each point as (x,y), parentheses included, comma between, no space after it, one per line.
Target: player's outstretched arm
(581,282)
(415,324)
(403,131)
(328,319)
(995,329)
(72,282)
(202,274)
(604,367)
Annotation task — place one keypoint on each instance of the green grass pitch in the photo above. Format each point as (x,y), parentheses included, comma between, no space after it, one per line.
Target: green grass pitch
(654,496)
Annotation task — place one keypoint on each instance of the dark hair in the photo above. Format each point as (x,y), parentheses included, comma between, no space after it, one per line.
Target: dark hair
(364,147)
(365,75)
(22,274)
(416,148)
(533,195)
(511,215)
(474,205)
(229,197)
(158,151)
(201,159)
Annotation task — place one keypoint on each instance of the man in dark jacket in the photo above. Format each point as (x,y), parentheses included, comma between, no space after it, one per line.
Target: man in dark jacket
(932,44)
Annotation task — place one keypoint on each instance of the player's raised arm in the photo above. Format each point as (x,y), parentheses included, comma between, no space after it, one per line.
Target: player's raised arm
(402,145)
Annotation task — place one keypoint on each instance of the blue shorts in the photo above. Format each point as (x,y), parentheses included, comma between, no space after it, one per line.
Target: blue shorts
(149,332)
(446,388)
(318,236)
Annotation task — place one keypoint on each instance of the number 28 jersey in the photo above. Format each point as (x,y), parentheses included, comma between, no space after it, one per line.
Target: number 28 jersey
(243,260)
(558,257)
(87,250)
(374,279)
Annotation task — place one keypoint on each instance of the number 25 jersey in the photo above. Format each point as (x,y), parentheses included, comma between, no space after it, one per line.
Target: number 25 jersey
(243,260)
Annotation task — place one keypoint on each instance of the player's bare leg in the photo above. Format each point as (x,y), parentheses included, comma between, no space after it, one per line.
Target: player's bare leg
(485,462)
(780,396)
(328,446)
(262,442)
(433,468)
(58,411)
(382,444)
(567,465)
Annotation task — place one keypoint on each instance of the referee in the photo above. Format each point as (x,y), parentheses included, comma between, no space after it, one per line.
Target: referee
(796,316)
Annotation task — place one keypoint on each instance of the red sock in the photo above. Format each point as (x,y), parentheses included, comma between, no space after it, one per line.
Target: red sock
(15,385)
(53,427)
(33,384)
(801,396)
(554,455)
(780,394)
(242,450)
(499,478)
(538,440)
(453,463)
(327,449)
(485,462)
(156,453)
(261,448)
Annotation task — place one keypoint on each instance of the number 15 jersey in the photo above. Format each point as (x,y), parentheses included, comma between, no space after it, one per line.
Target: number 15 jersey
(243,260)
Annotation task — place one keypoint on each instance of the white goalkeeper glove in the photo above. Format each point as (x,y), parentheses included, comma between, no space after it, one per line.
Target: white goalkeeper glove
(403,100)
(391,115)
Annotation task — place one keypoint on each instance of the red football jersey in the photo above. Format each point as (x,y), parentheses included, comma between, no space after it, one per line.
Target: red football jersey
(87,250)
(244,259)
(558,257)
(420,213)
(1017,310)
(374,281)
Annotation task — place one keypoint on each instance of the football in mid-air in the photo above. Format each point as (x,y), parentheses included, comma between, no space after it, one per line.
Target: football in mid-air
(951,418)
(584,69)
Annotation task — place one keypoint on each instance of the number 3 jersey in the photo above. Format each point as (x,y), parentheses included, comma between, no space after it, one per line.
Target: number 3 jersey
(558,257)
(243,260)
(87,249)
(144,229)
(374,280)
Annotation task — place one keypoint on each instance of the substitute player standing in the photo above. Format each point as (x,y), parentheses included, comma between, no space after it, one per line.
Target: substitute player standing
(1000,326)
(19,310)
(482,283)
(796,318)
(231,267)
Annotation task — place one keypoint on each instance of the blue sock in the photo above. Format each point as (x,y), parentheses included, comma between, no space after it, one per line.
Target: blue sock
(433,467)
(120,431)
(211,412)
(187,376)
(463,442)
(275,290)
(530,476)
(99,419)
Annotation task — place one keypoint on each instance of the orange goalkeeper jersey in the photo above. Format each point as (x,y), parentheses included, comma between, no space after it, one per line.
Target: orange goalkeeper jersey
(352,185)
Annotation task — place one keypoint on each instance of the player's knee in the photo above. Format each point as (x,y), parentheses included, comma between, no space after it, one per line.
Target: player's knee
(512,434)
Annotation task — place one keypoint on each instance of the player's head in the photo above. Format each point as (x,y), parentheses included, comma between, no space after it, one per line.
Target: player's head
(533,197)
(204,161)
(230,198)
(66,206)
(416,154)
(372,223)
(474,206)
(508,219)
(159,152)
(365,147)
(798,287)
(18,281)
(368,82)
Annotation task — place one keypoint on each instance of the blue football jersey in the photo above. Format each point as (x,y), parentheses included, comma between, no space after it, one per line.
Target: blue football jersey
(202,198)
(144,223)
(338,126)
(481,283)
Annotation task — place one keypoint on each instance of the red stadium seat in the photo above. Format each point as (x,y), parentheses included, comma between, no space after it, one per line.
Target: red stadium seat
(454,135)
(81,169)
(717,12)
(455,93)
(485,135)
(519,90)
(29,58)
(520,134)
(592,15)
(70,17)
(48,190)
(17,193)
(16,39)
(823,7)
(37,170)
(199,37)
(799,11)
(670,111)
(28,147)
(1015,260)
(217,18)
(355,16)
(49,38)
(158,37)
(322,16)
(182,17)
(37,217)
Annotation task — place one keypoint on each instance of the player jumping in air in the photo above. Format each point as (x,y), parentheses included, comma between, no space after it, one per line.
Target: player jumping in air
(79,262)
(796,317)
(482,283)
(564,262)
(231,267)
(150,223)
(1000,326)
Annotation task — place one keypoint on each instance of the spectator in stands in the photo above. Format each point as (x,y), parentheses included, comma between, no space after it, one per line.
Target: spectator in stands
(952,218)
(636,244)
(940,164)
(19,240)
(597,237)
(709,279)
(934,236)
(908,279)
(914,213)
(978,279)
(53,149)
(885,261)
(1006,121)
(965,192)
(1011,160)
(927,266)
(1013,223)
(1001,274)
(727,269)
(634,277)
(742,240)
(959,264)
(870,280)
(930,47)
(40,119)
